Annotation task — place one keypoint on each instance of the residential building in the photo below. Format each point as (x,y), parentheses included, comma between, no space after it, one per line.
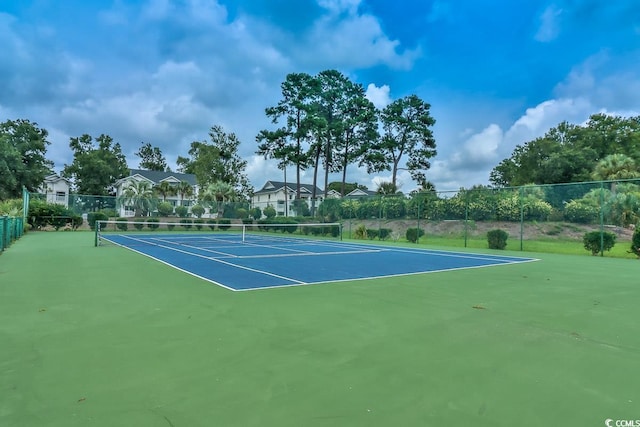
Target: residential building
(56,190)
(282,195)
(154,178)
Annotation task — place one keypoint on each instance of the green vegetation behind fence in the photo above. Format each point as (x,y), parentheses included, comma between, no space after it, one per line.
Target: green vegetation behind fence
(527,213)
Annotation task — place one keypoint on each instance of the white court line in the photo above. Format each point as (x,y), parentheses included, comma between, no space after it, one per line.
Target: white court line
(216,260)
(294,282)
(385,276)
(310,254)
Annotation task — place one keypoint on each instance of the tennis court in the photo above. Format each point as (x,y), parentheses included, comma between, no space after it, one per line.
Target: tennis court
(106,337)
(242,261)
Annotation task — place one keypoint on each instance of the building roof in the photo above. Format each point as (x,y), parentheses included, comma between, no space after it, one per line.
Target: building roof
(158,176)
(55,178)
(275,186)
(360,193)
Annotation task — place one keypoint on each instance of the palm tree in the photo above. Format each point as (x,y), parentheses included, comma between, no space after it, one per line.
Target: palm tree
(185,190)
(616,167)
(386,188)
(165,189)
(219,192)
(140,196)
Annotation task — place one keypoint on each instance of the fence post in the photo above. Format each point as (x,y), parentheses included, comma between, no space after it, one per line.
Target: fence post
(521,215)
(3,234)
(601,218)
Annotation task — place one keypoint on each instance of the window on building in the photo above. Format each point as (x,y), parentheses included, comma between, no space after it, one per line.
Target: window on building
(61,196)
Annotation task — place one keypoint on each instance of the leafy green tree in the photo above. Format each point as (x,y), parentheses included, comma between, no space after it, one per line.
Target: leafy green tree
(406,125)
(570,153)
(23,146)
(295,109)
(151,158)
(217,161)
(95,169)
(332,101)
(607,134)
(359,122)
(140,196)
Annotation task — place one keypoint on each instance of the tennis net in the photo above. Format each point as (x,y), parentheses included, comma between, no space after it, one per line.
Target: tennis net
(208,232)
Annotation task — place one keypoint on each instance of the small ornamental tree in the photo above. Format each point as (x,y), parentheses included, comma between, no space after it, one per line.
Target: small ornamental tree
(413,234)
(197,210)
(256,213)
(165,209)
(269,211)
(497,239)
(182,211)
(595,243)
(635,242)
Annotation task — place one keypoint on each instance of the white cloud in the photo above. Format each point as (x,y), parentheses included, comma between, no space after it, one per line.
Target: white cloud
(339,6)
(356,40)
(549,24)
(480,149)
(379,96)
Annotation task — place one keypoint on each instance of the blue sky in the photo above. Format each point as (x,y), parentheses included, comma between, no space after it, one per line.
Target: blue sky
(497,73)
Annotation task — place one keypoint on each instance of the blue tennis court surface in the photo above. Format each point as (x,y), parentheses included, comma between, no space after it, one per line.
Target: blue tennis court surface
(275,262)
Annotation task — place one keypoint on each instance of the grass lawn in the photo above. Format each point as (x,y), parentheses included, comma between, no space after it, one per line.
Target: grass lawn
(106,337)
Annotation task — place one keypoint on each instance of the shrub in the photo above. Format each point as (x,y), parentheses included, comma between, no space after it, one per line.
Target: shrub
(269,211)
(360,232)
(241,213)
(198,223)
(182,211)
(171,226)
(372,233)
(138,225)
(385,233)
(497,239)
(197,210)
(635,242)
(247,220)
(76,221)
(152,223)
(595,241)
(211,223)
(413,234)
(256,213)
(92,217)
(224,224)
(165,209)
(122,224)
(42,213)
(581,212)
(186,223)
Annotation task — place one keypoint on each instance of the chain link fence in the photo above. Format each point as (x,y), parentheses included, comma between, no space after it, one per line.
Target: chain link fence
(528,213)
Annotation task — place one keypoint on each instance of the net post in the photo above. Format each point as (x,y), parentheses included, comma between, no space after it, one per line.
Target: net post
(244,231)
(96,234)
(340,225)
